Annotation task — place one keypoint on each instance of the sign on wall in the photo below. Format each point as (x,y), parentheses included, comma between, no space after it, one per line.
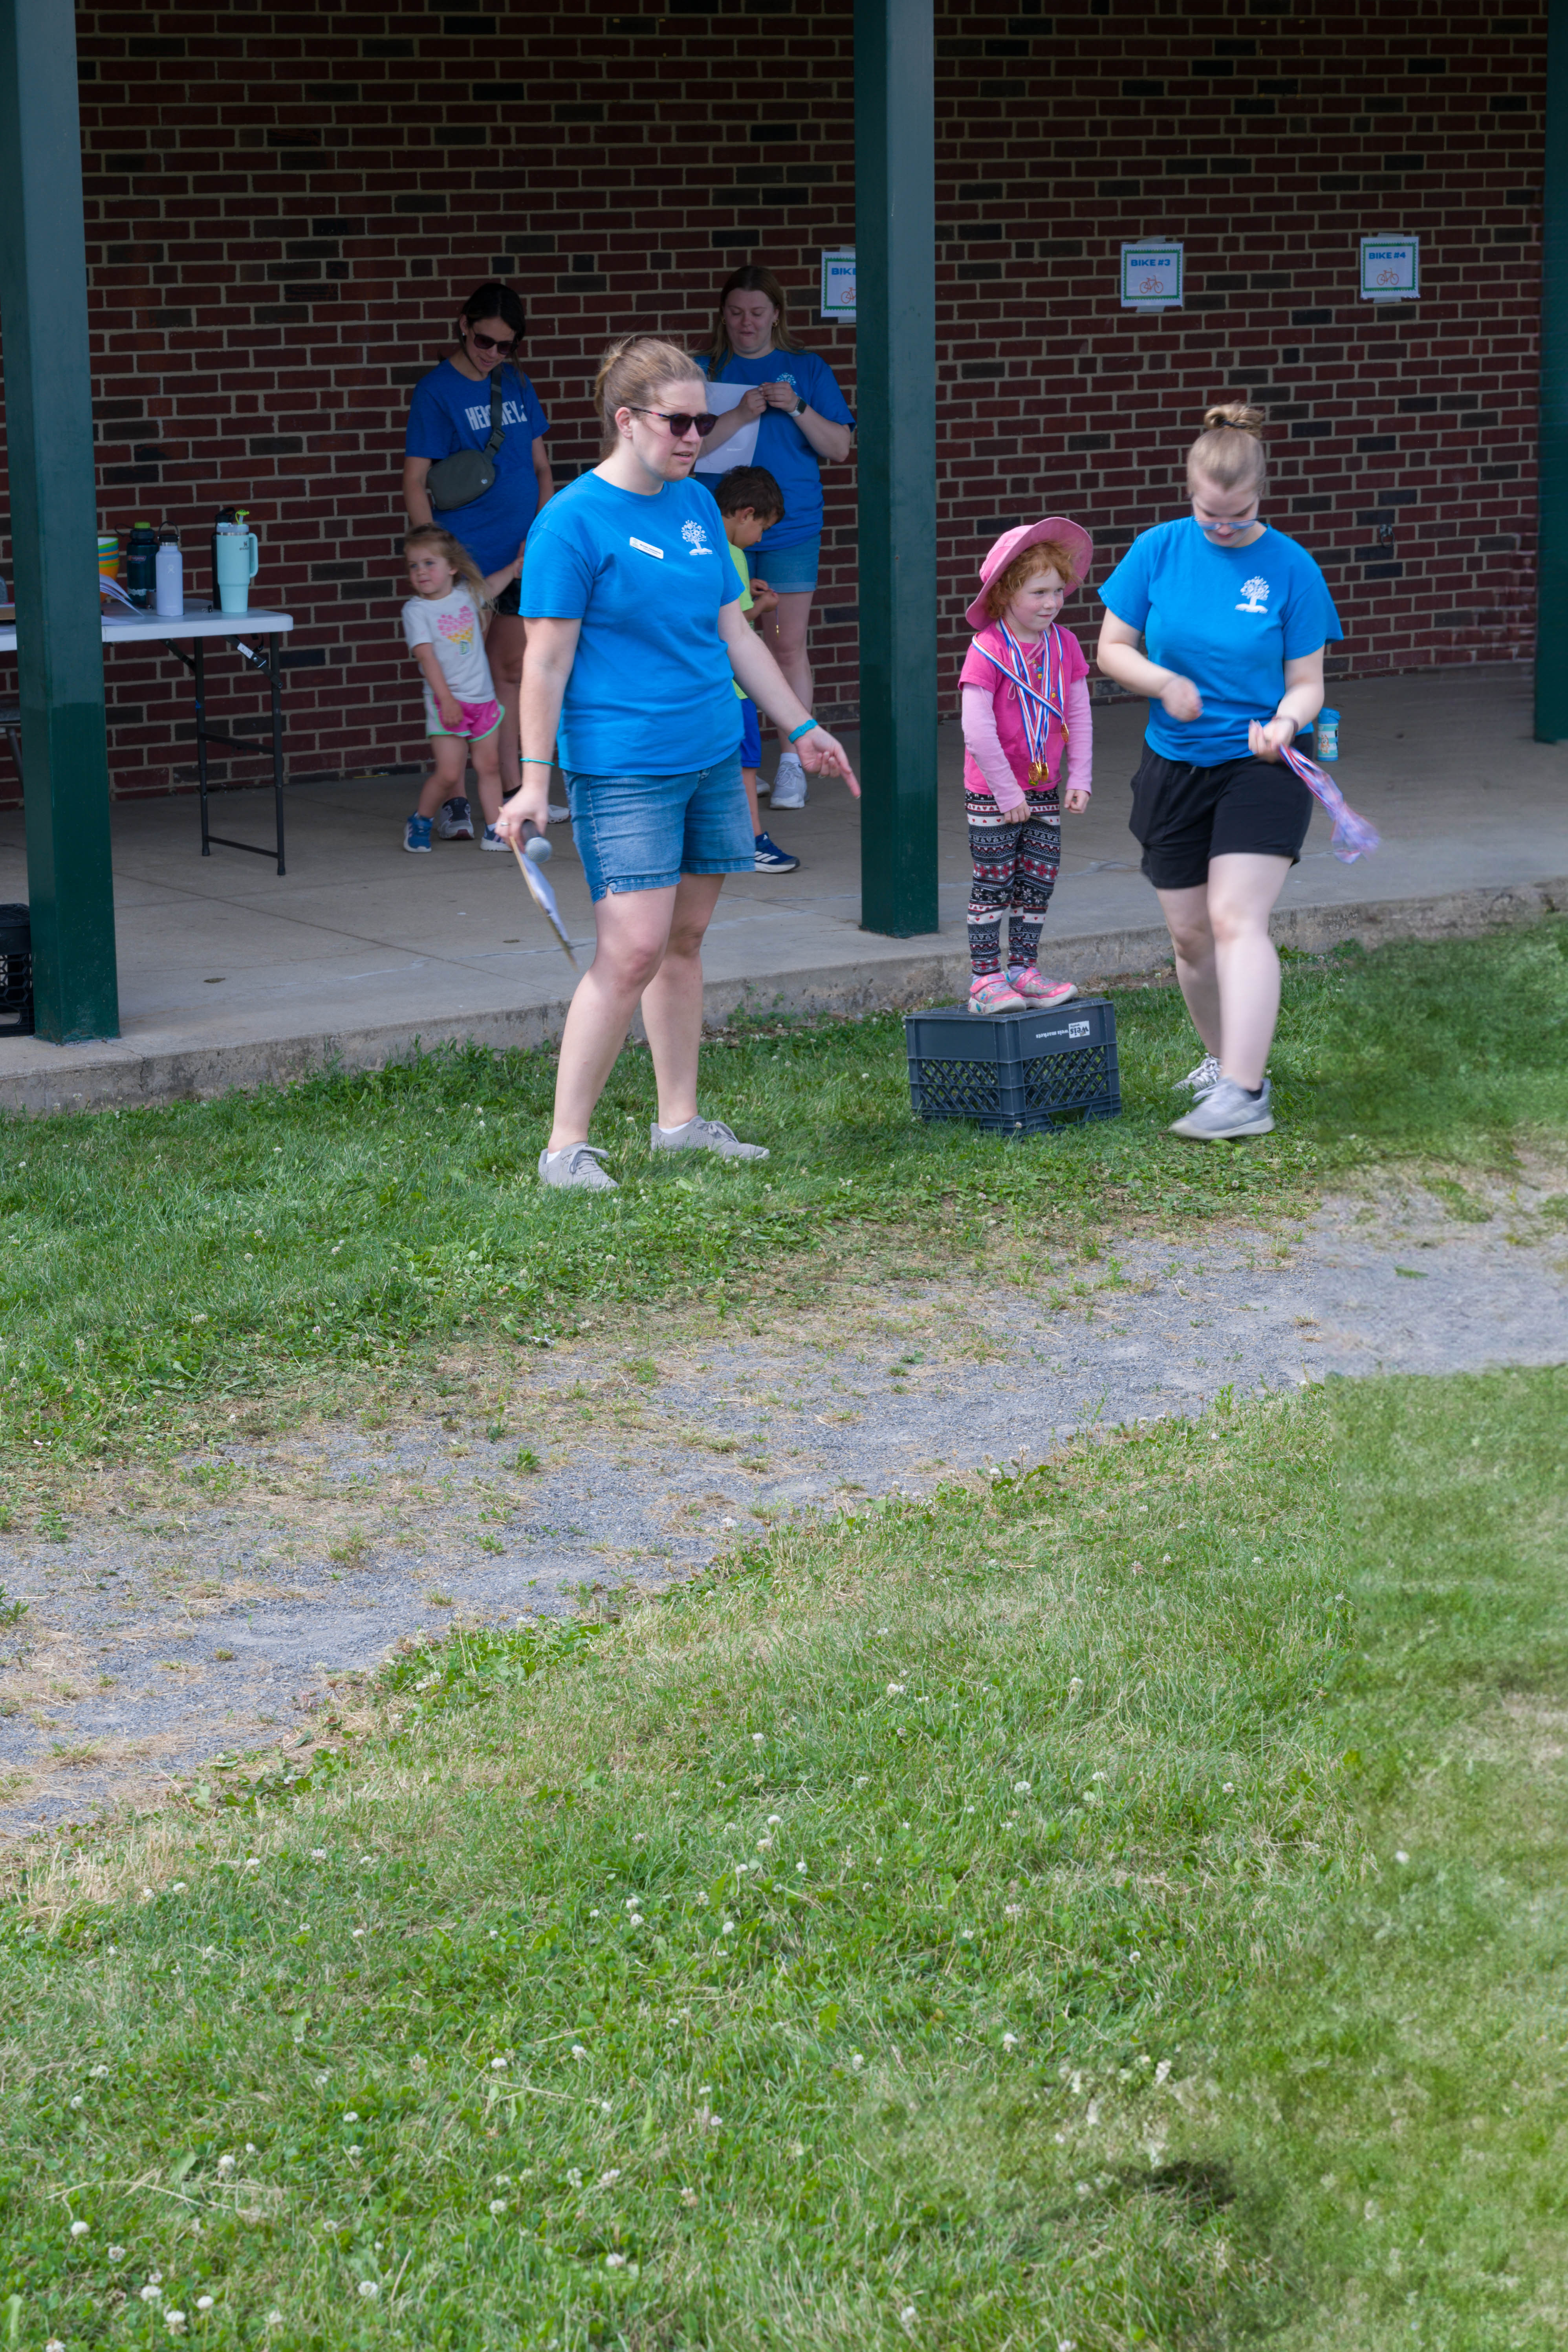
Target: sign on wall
(838,282)
(1152,276)
(1391,268)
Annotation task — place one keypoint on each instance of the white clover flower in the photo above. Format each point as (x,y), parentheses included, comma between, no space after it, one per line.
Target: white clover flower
(497,2204)
(177,2322)
(728,1929)
(908,2315)
(1009,2042)
(1021,1788)
(78,2101)
(179,1888)
(79,2229)
(117,2254)
(150,2293)
(203,2302)
(757,1738)
(251,1862)
(688,2196)
(355,2150)
(608,2179)
(574,2177)
(800,1866)
(504,2180)
(154,2278)
(273,2319)
(765,1845)
(99,2073)
(226,2163)
(54,2344)
(146,1895)
(775,1821)
(855,2060)
(356,1931)
(578,2051)
(417,2064)
(369,2289)
(966,1935)
(1161,2070)
(1012,1911)
(498,2066)
(702,1895)
(1402,1857)
(318,1854)
(1075,1684)
(614,2261)
(251,2148)
(895,1690)
(1227,1788)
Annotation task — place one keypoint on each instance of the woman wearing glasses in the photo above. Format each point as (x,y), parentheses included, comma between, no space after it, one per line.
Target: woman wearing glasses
(1221,621)
(451,411)
(634,637)
(803,423)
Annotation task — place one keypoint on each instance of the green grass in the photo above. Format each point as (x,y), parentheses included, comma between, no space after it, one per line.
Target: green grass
(1117,1906)
(168,1272)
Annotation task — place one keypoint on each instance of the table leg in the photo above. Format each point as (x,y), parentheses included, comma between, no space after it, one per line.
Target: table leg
(198,666)
(273,667)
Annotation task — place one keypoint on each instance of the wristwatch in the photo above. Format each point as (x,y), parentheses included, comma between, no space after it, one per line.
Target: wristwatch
(800,408)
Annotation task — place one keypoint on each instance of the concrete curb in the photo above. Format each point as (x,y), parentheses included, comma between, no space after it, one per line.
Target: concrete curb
(118,1073)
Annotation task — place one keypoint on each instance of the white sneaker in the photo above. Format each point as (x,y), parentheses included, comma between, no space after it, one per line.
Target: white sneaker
(1227,1110)
(576,1167)
(789,784)
(704,1135)
(1206,1078)
(559,812)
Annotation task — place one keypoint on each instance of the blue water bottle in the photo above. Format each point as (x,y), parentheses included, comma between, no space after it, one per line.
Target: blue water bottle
(1326,737)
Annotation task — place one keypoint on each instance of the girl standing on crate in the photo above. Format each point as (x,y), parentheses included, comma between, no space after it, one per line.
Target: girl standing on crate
(1026,702)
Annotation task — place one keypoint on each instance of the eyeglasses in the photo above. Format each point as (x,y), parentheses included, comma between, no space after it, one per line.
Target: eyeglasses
(489,342)
(1224,522)
(678,423)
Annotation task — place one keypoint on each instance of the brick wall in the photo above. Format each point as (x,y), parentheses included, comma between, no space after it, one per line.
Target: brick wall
(284,210)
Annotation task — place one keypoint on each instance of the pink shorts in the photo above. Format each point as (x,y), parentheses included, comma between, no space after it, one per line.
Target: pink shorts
(478,720)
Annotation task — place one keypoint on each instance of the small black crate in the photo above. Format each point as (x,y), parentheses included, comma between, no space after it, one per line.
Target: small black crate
(15,972)
(1017,1073)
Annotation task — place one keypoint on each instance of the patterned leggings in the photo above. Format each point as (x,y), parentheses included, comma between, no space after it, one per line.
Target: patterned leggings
(1017,854)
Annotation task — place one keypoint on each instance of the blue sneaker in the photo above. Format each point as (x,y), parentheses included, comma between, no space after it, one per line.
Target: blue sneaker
(771,859)
(490,839)
(455,822)
(417,834)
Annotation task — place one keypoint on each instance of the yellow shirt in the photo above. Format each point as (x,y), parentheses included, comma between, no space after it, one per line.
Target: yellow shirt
(738,558)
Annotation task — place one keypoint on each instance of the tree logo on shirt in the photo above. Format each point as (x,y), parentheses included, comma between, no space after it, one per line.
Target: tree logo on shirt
(1256,592)
(695,538)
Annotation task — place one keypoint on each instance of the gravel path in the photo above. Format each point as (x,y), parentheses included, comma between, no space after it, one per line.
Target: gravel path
(175,1626)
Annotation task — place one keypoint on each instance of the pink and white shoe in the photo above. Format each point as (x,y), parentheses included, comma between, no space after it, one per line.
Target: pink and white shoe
(995,994)
(1035,989)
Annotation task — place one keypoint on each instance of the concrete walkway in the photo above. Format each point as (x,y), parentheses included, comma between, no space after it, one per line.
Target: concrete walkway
(230,976)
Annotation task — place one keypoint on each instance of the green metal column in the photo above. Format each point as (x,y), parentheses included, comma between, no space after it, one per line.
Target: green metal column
(895,366)
(54,522)
(1552,605)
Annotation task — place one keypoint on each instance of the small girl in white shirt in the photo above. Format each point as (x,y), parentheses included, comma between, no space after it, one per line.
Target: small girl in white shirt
(443,626)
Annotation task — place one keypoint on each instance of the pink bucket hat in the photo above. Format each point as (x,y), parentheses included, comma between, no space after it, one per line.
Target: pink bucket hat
(1070,535)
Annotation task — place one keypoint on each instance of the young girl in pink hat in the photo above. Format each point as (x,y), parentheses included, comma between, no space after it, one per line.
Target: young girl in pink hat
(1025,702)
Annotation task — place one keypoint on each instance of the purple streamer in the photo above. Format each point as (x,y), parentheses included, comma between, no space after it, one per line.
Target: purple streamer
(1353,833)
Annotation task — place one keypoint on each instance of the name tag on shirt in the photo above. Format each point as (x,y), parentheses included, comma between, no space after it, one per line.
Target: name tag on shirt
(644,549)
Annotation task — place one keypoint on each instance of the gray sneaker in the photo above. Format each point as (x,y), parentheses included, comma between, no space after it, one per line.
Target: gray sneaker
(1225,1111)
(1206,1078)
(704,1135)
(577,1165)
(789,784)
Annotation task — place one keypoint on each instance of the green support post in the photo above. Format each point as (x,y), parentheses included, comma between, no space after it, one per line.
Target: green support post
(895,368)
(54,523)
(1552,597)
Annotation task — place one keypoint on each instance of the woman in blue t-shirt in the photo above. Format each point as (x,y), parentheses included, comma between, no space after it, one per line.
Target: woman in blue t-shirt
(451,411)
(635,643)
(803,423)
(1221,621)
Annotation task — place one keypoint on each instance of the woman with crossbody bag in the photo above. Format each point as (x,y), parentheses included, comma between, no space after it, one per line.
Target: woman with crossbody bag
(475,464)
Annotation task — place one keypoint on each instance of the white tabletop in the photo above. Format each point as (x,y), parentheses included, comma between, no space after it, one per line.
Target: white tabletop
(198,620)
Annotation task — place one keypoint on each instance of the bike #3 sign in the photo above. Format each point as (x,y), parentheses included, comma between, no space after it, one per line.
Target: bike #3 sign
(1152,276)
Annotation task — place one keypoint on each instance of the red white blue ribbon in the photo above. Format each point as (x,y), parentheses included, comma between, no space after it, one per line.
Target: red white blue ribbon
(1352,834)
(1038,704)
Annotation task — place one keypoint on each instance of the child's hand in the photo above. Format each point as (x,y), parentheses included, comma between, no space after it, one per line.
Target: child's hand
(1077,800)
(763,598)
(451,712)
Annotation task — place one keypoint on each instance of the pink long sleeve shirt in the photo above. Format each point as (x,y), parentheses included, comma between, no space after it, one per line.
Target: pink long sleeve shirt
(996,745)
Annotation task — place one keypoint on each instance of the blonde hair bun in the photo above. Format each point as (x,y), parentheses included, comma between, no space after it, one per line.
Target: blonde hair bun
(1235,413)
(633,368)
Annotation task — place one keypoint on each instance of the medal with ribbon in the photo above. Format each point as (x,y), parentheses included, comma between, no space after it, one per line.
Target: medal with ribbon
(1038,704)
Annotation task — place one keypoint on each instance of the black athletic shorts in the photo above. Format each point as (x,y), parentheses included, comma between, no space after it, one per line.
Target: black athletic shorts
(508,601)
(1186,816)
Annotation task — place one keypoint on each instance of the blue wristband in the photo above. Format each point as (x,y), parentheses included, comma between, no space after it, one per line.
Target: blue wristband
(803,729)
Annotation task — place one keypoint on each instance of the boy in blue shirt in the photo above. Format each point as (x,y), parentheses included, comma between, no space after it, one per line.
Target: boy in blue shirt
(751,502)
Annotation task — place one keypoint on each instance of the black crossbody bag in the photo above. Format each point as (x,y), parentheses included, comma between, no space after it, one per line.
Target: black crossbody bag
(458,482)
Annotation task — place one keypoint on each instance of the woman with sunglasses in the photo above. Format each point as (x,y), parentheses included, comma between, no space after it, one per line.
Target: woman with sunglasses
(1221,621)
(803,423)
(451,411)
(636,639)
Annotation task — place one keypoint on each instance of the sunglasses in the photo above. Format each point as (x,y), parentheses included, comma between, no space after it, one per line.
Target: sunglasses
(678,423)
(489,342)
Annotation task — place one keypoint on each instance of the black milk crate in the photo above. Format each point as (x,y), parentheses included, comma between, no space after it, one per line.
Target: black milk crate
(15,972)
(1015,1072)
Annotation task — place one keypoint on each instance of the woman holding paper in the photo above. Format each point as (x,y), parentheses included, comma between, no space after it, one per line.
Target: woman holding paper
(787,403)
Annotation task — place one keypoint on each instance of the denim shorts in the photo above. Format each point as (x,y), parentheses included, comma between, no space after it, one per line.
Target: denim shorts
(642,833)
(788,570)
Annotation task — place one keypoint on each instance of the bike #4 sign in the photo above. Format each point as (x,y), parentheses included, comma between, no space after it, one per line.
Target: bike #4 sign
(1391,268)
(1152,276)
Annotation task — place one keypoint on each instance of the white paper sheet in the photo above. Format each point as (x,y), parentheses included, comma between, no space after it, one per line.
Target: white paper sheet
(741,449)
